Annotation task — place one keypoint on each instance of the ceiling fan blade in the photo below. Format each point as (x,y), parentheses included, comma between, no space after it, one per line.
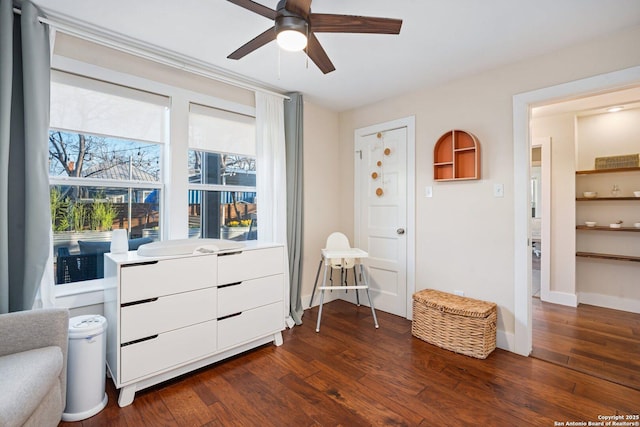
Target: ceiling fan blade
(318,55)
(328,23)
(256,7)
(257,42)
(299,7)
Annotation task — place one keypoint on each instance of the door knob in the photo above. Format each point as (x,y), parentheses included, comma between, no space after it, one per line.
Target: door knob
(400,231)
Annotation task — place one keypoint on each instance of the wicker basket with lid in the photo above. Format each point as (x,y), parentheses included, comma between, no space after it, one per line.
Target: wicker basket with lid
(460,324)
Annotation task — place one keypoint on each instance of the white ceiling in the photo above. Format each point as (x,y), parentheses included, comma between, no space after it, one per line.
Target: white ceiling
(440,40)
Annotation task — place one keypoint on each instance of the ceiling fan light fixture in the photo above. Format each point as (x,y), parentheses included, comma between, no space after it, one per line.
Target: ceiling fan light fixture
(292,40)
(291,33)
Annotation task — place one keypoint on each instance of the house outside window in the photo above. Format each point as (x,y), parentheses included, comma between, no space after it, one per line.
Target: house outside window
(222,174)
(105,170)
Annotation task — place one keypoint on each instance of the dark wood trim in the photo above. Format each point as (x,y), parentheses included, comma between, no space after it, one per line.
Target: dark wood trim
(599,199)
(595,171)
(611,257)
(605,228)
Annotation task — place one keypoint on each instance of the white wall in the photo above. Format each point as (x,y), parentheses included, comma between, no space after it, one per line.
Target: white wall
(608,134)
(321,190)
(464,235)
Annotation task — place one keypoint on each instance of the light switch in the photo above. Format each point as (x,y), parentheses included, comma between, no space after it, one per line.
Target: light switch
(428,191)
(498,190)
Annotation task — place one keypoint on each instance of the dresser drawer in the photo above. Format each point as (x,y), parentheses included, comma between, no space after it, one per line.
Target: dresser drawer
(249,294)
(167,350)
(165,277)
(250,324)
(250,265)
(158,315)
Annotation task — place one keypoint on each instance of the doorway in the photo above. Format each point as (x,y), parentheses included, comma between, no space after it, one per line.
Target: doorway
(594,334)
(384,176)
(522,104)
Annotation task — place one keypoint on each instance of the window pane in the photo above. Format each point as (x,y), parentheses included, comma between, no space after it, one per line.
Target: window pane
(221,169)
(83,218)
(223,215)
(98,157)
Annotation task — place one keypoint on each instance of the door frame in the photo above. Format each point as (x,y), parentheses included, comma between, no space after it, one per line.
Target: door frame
(545,233)
(522,104)
(410,229)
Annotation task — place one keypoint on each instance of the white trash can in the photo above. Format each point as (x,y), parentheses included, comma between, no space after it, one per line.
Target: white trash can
(86,367)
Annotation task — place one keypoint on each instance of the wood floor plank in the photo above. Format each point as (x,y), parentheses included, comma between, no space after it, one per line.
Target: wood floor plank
(596,340)
(184,403)
(321,407)
(345,392)
(148,409)
(351,374)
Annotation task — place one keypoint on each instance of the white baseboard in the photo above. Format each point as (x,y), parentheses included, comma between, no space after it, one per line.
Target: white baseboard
(506,340)
(562,298)
(609,301)
(328,297)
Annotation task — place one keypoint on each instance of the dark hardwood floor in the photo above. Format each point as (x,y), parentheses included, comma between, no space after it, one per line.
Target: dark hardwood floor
(351,374)
(595,340)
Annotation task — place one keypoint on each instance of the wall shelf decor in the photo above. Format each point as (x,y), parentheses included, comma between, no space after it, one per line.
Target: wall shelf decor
(456,156)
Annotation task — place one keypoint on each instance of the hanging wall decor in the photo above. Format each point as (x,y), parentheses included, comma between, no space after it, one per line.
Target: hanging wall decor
(375,175)
(456,156)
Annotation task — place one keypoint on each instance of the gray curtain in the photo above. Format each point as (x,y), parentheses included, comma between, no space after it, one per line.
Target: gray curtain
(25,222)
(293,115)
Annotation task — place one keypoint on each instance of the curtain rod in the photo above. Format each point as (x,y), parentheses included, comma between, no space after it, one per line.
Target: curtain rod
(151,52)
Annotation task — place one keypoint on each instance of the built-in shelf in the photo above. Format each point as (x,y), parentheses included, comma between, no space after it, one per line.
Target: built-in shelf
(607,228)
(608,256)
(593,171)
(456,156)
(612,211)
(595,199)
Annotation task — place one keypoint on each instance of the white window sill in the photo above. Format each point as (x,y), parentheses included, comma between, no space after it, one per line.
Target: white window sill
(80,294)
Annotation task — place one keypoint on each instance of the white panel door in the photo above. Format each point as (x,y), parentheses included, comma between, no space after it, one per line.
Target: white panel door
(381,215)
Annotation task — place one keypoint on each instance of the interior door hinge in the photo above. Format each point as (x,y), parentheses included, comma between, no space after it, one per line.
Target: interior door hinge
(359,153)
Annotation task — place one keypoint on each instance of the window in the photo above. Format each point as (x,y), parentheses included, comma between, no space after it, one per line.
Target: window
(105,170)
(222,174)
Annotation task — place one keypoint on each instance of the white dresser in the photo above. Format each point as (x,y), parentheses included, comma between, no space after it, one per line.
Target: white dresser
(170,315)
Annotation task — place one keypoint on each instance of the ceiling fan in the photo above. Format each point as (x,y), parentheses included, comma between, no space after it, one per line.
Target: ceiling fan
(294,23)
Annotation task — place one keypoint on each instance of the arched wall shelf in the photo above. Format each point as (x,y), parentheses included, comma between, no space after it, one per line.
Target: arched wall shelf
(456,156)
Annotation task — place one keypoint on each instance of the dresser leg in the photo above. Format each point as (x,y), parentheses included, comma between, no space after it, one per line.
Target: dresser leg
(277,339)
(127,394)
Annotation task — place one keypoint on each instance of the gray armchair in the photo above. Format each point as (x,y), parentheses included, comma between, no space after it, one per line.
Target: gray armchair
(33,367)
